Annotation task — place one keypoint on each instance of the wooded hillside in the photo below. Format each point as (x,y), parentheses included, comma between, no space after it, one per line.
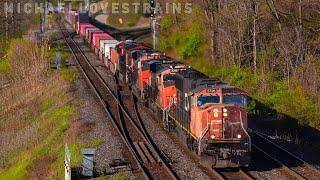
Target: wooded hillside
(269,48)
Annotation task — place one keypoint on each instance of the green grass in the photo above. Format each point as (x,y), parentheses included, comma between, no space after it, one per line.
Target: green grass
(4,65)
(58,48)
(46,104)
(53,125)
(69,75)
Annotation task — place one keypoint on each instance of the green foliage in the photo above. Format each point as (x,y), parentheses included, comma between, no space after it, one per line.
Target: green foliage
(46,104)
(4,65)
(65,55)
(35,20)
(185,43)
(69,75)
(190,43)
(56,122)
(164,45)
(95,143)
(294,103)
(271,97)
(53,36)
(240,77)
(4,43)
(165,23)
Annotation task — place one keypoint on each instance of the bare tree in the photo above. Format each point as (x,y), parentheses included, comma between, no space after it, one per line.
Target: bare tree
(211,10)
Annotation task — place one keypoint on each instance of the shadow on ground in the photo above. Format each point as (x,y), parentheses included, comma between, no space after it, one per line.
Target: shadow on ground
(303,141)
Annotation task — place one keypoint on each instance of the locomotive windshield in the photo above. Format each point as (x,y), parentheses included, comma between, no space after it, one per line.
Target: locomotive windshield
(168,78)
(235,99)
(202,100)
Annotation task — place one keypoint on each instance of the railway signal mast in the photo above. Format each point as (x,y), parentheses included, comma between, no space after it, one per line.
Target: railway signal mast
(87,5)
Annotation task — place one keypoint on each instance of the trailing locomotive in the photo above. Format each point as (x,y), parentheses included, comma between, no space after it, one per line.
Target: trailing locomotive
(207,114)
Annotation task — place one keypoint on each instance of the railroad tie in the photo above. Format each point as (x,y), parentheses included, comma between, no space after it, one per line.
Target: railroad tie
(147,152)
(140,152)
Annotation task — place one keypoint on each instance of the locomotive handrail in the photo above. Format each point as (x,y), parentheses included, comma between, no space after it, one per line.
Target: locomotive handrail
(245,131)
(204,132)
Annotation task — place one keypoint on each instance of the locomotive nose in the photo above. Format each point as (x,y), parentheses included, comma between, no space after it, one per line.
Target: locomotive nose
(215,123)
(224,123)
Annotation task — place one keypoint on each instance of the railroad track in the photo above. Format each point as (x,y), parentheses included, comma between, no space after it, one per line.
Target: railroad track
(290,163)
(148,160)
(236,174)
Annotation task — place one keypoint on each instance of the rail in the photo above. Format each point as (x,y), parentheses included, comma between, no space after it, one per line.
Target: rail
(121,110)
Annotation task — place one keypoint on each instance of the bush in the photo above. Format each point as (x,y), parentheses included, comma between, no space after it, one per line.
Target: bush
(164,45)
(190,43)
(295,104)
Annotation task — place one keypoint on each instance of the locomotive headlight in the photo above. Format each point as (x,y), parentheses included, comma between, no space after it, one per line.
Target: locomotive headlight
(239,136)
(225,110)
(215,114)
(212,137)
(225,114)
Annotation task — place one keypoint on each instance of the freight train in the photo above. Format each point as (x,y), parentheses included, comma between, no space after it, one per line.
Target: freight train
(207,114)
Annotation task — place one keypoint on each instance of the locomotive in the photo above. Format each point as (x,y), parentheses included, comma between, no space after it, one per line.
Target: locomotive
(207,114)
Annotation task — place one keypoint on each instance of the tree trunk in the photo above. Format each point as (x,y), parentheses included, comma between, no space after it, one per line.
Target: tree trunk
(254,51)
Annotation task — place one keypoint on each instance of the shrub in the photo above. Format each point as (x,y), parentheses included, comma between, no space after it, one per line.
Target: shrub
(164,45)
(295,104)
(190,43)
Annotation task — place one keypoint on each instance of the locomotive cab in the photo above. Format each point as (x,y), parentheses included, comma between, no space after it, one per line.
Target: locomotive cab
(141,72)
(164,84)
(128,52)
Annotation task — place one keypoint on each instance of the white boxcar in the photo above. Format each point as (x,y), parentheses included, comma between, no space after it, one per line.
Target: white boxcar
(105,46)
(108,46)
(88,30)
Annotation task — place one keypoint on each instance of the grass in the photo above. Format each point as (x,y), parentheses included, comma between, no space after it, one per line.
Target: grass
(46,104)
(69,75)
(4,65)
(54,124)
(38,114)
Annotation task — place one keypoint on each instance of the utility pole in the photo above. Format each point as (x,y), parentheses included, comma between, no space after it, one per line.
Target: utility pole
(7,25)
(154,23)
(43,16)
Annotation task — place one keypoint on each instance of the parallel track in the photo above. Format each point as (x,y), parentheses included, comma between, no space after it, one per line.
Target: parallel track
(120,118)
(292,164)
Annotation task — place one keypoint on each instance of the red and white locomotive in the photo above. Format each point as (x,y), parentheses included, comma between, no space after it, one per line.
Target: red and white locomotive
(208,114)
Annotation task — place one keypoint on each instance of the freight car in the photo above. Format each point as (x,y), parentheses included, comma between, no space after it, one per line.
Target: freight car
(207,114)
